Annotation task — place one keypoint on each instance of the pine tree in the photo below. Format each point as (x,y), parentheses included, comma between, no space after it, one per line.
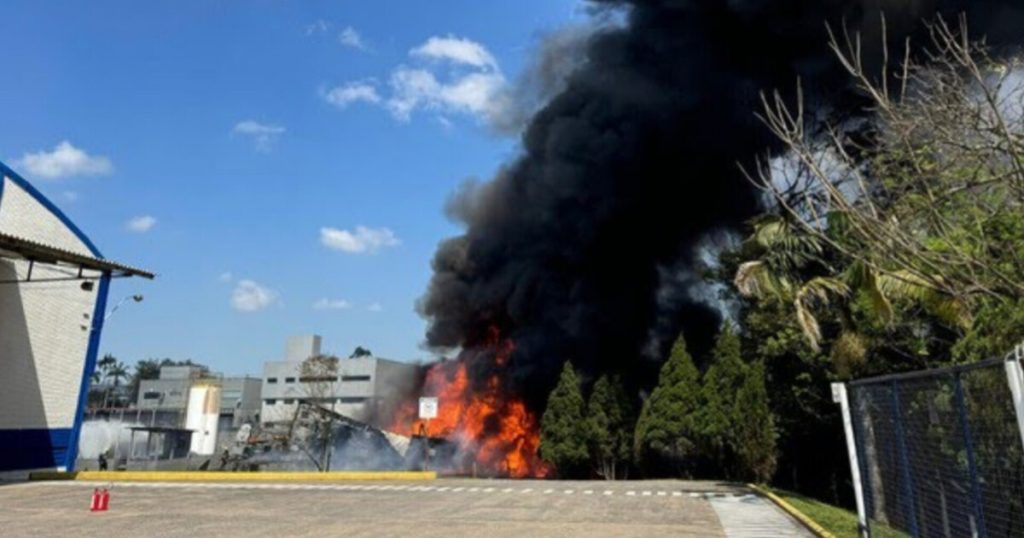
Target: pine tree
(717,416)
(563,436)
(610,427)
(755,427)
(665,431)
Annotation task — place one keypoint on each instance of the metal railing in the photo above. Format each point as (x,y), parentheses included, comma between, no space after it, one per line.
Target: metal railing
(938,453)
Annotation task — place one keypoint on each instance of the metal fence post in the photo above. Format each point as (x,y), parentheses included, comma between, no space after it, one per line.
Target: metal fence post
(908,478)
(972,467)
(840,397)
(1015,378)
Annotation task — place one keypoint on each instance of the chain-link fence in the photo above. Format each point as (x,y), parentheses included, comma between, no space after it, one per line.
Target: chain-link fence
(939,453)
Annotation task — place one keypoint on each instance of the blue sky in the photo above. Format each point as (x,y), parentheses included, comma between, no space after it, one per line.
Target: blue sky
(281,165)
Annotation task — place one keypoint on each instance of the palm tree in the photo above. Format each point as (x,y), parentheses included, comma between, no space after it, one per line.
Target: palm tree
(783,258)
(117,372)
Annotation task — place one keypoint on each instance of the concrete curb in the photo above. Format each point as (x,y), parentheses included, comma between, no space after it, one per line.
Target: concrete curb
(219,476)
(806,521)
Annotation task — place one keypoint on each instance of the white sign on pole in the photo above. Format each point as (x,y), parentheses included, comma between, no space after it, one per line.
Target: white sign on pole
(428,408)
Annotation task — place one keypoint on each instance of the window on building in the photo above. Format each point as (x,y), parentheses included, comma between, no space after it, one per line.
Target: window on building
(316,379)
(151,395)
(289,380)
(352,400)
(271,380)
(355,378)
(289,401)
(270,401)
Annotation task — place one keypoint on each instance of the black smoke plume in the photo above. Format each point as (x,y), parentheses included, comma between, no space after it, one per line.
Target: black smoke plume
(582,247)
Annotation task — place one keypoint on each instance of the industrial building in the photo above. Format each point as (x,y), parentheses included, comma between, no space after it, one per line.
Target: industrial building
(363,388)
(169,394)
(53,295)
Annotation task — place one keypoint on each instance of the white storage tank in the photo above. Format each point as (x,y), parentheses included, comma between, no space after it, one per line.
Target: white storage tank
(201,418)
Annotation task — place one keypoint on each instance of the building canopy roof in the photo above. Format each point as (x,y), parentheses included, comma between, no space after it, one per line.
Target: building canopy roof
(20,248)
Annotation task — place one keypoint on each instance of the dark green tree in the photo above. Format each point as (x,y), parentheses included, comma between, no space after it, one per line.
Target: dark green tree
(717,415)
(610,420)
(562,428)
(360,351)
(755,433)
(666,430)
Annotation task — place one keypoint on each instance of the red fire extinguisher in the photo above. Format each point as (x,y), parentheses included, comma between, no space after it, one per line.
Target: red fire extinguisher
(100,500)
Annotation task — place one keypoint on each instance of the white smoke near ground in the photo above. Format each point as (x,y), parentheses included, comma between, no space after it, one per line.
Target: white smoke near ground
(100,436)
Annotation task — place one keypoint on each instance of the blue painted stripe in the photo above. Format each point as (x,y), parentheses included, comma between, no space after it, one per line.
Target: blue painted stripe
(34,448)
(38,196)
(98,313)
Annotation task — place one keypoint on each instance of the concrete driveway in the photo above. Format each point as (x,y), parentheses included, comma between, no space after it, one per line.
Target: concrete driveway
(446,508)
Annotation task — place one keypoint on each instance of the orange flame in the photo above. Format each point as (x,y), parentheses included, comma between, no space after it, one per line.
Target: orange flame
(495,429)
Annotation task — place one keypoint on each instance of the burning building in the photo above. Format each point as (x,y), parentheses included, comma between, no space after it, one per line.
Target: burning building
(583,247)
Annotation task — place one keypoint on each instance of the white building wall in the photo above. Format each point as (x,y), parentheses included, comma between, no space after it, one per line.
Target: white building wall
(45,328)
(23,216)
(365,389)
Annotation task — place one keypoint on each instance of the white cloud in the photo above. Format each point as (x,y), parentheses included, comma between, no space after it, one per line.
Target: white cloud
(456,49)
(262,134)
(474,93)
(70,196)
(350,37)
(346,94)
(250,296)
(318,26)
(226,276)
(64,161)
(375,307)
(461,77)
(332,304)
(362,241)
(141,224)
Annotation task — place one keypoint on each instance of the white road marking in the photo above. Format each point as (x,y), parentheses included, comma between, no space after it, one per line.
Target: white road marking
(646,494)
(607,492)
(547,491)
(527,490)
(588,492)
(631,493)
(488,490)
(661,494)
(569,492)
(506,490)
(474,490)
(458,489)
(677,494)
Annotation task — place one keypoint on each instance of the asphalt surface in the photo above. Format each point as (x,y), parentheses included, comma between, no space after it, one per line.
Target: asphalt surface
(448,508)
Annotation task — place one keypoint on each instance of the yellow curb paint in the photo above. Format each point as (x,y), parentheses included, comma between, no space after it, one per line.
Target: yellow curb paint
(216,476)
(811,525)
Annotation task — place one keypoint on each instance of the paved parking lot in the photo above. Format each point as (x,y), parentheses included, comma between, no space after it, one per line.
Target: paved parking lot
(446,508)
